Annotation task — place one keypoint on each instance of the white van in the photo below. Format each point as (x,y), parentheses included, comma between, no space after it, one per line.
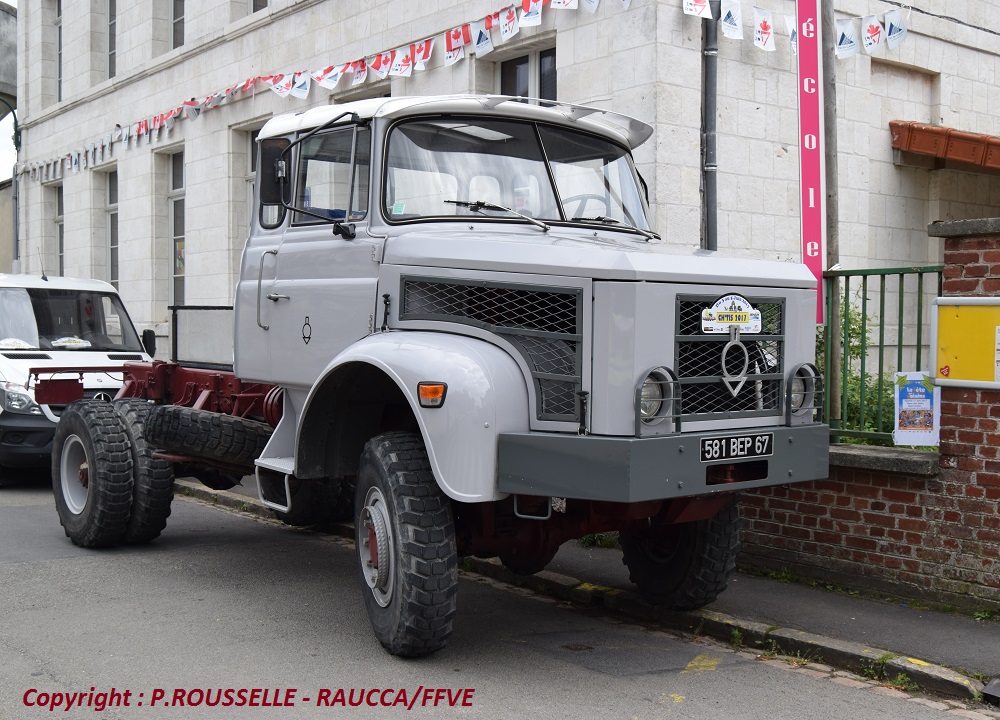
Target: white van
(57,322)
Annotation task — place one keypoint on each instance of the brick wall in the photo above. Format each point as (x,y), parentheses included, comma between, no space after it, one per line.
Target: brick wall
(903,522)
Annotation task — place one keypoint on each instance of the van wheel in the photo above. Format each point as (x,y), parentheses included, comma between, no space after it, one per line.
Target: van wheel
(92,474)
(152,478)
(684,566)
(405,539)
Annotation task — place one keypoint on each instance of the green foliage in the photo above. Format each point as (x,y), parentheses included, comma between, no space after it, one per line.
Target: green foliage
(736,639)
(857,412)
(600,540)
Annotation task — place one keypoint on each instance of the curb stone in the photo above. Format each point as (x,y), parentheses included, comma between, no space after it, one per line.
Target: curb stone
(836,653)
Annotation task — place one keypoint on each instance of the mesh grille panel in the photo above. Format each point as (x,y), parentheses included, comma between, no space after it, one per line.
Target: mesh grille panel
(699,359)
(543,323)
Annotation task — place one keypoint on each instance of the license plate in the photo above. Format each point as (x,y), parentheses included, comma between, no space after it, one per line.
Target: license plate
(737,447)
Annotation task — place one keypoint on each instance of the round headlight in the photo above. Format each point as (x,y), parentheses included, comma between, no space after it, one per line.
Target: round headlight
(652,397)
(803,388)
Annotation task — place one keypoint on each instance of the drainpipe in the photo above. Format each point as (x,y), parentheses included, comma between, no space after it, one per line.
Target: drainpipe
(15,263)
(709,125)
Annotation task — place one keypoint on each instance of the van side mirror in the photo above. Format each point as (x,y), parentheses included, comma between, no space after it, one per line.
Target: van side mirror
(149,341)
(273,174)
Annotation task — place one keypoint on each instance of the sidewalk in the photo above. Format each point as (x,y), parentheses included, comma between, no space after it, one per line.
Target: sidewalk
(941,652)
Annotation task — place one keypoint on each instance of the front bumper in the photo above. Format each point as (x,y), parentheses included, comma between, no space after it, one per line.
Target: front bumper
(628,469)
(25,440)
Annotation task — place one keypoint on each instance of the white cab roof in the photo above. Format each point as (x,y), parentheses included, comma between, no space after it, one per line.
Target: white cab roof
(54,282)
(604,122)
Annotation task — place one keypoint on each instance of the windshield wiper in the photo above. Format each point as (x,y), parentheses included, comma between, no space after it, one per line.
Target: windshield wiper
(480,205)
(604,220)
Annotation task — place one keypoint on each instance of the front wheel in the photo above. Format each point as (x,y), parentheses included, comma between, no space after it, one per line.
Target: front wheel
(684,566)
(405,539)
(92,474)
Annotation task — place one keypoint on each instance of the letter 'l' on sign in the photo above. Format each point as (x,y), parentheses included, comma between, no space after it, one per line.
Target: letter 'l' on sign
(812,173)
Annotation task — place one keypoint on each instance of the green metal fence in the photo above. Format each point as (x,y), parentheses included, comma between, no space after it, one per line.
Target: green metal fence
(878,323)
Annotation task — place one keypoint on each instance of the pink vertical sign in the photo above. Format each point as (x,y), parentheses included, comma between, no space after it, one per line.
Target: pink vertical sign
(812,175)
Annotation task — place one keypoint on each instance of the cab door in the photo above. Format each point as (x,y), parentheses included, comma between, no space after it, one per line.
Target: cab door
(324,293)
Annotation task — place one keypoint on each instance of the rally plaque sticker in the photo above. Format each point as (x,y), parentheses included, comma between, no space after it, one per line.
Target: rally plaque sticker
(731,311)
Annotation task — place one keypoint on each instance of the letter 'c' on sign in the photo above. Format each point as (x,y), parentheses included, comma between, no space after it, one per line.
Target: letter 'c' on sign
(809,85)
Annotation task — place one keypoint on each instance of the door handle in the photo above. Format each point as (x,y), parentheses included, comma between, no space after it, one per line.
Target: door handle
(260,281)
(276,297)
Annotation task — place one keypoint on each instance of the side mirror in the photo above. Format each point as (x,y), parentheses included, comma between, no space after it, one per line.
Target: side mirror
(272,175)
(149,341)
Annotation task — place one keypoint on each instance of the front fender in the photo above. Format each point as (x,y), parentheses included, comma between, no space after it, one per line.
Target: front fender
(486,396)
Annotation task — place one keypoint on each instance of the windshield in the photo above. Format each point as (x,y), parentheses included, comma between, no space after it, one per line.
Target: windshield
(545,172)
(44,319)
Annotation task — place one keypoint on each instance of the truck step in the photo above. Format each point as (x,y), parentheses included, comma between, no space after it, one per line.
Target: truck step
(283,465)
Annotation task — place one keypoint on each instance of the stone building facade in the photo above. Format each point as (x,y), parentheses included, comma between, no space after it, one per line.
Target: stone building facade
(166,218)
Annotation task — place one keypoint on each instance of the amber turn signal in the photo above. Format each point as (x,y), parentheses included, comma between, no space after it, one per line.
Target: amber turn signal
(431,394)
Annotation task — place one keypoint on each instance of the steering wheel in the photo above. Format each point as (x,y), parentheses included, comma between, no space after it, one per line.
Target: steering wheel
(582,199)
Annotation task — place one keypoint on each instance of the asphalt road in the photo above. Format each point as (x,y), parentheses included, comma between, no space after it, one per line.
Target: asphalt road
(226,601)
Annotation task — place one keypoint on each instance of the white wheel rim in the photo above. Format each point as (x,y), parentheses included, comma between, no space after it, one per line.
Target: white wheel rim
(375,547)
(74,474)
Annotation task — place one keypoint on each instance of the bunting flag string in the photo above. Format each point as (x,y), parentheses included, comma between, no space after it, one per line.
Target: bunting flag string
(476,37)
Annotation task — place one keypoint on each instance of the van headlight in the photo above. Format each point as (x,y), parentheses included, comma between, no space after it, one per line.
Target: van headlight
(14,398)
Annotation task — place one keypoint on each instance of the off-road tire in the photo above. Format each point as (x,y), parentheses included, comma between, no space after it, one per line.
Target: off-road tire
(414,618)
(90,435)
(684,566)
(312,502)
(199,433)
(152,478)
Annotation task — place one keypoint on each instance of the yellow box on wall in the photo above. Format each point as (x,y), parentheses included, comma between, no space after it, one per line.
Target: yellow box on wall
(965,342)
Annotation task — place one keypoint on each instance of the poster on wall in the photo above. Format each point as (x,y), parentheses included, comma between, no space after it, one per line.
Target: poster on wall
(918,410)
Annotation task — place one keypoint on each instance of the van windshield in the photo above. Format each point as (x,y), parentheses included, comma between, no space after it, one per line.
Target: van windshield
(49,319)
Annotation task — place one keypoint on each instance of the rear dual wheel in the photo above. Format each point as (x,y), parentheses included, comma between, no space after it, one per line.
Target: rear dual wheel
(108,487)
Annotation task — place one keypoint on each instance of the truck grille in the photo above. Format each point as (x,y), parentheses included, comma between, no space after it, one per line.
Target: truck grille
(698,355)
(542,323)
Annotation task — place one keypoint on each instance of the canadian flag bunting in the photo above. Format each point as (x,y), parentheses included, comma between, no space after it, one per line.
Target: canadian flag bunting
(300,88)
(872,33)
(531,13)
(699,8)
(421,53)
(793,33)
(453,56)
(329,76)
(847,38)
(732,19)
(509,26)
(891,32)
(895,29)
(402,63)
(360,70)
(458,37)
(381,63)
(481,40)
(763,30)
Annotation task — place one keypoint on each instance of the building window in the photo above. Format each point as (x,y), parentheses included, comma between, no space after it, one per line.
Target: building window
(256,5)
(112,39)
(175,204)
(112,225)
(60,238)
(177,24)
(59,52)
(531,75)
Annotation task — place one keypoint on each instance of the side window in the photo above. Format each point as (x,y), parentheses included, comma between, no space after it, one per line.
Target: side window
(333,176)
